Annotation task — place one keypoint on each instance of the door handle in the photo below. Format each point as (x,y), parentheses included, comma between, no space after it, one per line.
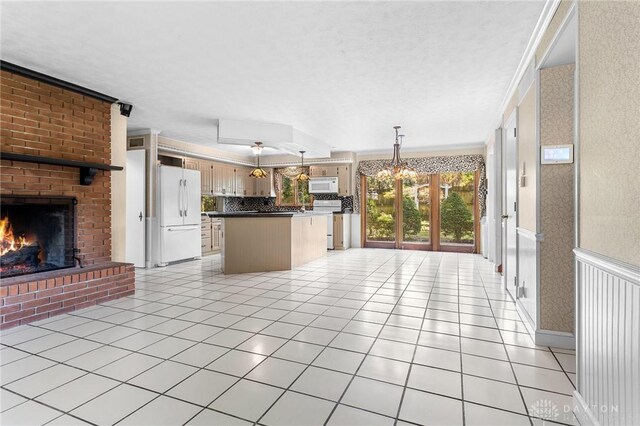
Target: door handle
(140,216)
(505,216)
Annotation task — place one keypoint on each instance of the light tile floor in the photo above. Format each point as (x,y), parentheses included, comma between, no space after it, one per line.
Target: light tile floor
(362,337)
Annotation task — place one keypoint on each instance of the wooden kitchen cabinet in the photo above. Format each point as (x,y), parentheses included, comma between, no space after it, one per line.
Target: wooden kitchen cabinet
(344,180)
(210,232)
(216,235)
(206,177)
(241,184)
(191,164)
(264,187)
(242,175)
(341,231)
(224,182)
(342,172)
(321,171)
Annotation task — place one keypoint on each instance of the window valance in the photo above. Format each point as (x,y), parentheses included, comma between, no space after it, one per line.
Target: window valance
(289,172)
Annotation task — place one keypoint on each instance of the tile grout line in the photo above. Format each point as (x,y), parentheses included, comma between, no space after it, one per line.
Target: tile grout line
(415,349)
(374,342)
(327,284)
(524,402)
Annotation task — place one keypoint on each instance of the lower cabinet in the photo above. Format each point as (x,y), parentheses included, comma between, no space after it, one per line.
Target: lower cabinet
(216,235)
(211,231)
(341,231)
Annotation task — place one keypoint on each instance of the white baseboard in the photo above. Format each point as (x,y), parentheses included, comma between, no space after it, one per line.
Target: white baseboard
(555,339)
(582,412)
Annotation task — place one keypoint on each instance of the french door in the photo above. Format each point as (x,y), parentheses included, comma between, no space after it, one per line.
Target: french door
(431,212)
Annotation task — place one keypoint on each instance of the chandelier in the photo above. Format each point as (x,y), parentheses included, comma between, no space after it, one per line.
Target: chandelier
(258,172)
(302,176)
(397,168)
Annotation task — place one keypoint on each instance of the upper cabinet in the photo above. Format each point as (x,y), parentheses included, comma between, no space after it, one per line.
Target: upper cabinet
(206,177)
(320,171)
(342,172)
(244,184)
(344,180)
(264,187)
(224,179)
(231,181)
(219,179)
(191,163)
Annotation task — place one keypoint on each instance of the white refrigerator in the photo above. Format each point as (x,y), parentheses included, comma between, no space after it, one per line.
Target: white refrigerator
(180,235)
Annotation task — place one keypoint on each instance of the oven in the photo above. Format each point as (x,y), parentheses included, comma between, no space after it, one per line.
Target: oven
(329,207)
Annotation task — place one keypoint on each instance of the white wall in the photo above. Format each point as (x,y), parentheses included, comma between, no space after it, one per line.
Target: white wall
(118,184)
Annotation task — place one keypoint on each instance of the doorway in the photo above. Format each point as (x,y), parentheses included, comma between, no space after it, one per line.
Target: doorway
(509,207)
(437,212)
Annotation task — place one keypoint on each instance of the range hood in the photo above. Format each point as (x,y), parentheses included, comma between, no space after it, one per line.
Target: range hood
(280,136)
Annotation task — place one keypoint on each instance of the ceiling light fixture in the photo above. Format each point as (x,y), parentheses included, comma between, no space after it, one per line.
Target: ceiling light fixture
(302,177)
(258,172)
(257,148)
(397,168)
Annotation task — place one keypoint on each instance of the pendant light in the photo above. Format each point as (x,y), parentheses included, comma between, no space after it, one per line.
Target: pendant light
(258,172)
(397,168)
(302,177)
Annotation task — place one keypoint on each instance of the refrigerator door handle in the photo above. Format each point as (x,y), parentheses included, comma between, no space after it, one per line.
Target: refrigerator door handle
(186,196)
(182,228)
(180,197)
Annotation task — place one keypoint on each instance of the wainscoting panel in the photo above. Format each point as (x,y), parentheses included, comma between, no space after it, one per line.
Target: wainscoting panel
(608,334)
(528,249)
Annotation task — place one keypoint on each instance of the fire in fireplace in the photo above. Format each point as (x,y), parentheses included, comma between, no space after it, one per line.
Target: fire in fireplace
(36,234)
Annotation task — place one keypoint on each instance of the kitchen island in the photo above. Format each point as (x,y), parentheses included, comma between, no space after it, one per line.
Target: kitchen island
(260,242)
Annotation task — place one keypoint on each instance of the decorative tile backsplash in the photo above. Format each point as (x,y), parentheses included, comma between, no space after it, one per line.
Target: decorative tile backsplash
(238,204)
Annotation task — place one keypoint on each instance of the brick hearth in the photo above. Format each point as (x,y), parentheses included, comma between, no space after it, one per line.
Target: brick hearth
(33,297)
(41,119)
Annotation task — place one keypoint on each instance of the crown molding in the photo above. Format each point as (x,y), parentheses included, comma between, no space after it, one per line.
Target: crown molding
(544,20)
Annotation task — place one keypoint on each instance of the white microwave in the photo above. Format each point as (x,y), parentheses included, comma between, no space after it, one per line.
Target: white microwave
(323,185)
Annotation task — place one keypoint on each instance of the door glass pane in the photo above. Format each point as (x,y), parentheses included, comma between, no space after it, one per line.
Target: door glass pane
(416,210)
(381,215)
(456,208)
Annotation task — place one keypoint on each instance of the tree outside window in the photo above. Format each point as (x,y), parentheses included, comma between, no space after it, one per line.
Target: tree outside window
(293,193)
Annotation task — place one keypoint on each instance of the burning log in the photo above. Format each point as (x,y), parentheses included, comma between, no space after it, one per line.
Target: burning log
(25,255)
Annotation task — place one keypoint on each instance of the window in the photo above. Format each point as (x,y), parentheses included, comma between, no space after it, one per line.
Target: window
(431,212)
(292,192)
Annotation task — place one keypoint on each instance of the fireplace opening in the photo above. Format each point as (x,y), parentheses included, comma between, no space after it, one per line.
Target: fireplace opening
(36,234)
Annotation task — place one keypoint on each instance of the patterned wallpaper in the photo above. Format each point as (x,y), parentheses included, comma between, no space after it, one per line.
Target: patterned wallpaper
(609,129)
(556,202)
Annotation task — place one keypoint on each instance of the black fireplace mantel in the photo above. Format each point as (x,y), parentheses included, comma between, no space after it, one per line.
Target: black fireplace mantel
(87,169)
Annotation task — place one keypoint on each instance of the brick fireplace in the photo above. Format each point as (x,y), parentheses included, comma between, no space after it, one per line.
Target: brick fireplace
(51,122)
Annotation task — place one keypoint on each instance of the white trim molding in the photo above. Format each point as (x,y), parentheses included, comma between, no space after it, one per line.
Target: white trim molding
(555,339)
(546,16)
(607,330)
(582,412)
(529,234)
(622,270)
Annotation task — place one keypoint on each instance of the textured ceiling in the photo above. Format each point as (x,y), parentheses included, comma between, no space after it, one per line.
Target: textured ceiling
(343,72)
